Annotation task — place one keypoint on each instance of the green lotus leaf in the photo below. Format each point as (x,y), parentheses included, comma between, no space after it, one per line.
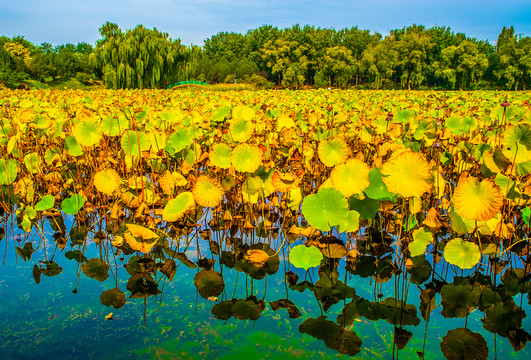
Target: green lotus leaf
(220,113)
(404,115)
(96,269)
(220,155)
(377,189)
(72,204)
(526,215)
(175,208)
(460,125)
(180,139)
(517,143)
(46,203)
(367,208)
(325,209)
(33,162)
(88,132)
(421,239)
(8,171)
(134,142)
(72,147)
(305,257)
(114,125)
(333,151)
(351,222)
(464,254)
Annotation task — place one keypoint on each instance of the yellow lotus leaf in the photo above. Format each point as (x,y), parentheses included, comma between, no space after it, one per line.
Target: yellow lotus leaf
(257,257)
(433,219)
(285,182)
(107,181)
(141,232)
(138,243)
(88,132)
(118,241)
(352,255)
(333,151)
(207,191)
(407,174)
(168,181)
(246,158)
(351,177)
(307,232)
(477,200)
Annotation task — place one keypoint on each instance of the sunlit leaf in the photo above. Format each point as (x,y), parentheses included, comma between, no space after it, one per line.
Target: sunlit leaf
(421,239)
(73,204)
(207,191)
(325,209)
(8,171)
(175,208)
(351,177)
(305,257)
(477,200)
(407,174)
(107,181)
(220,155)
(46,203)
(333,151)
(464,254)
(88,132)
(246,158)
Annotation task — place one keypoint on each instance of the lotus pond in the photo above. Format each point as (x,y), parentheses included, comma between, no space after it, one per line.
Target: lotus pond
(274,224)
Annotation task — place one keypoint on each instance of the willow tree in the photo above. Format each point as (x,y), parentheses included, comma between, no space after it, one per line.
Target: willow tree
(139,58)
(461,66)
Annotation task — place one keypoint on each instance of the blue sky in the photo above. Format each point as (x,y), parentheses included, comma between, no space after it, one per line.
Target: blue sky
(59,21)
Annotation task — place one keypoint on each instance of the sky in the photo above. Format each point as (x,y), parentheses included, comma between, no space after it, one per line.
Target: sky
(59,22)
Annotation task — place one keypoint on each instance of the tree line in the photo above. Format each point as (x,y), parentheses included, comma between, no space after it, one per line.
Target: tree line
(413,57)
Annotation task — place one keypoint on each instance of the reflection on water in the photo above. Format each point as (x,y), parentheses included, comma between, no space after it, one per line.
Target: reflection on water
(202,294)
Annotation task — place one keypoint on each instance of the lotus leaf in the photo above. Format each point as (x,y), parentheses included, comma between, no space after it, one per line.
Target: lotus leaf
(305,257)
(464,254)
(209,283)
(325,209)
(463,344)
(73,204)
(175,208)
(46,203)
(96,268)
(113,297)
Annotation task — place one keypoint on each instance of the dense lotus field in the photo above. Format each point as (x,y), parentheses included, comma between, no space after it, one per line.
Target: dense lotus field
(391,182)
